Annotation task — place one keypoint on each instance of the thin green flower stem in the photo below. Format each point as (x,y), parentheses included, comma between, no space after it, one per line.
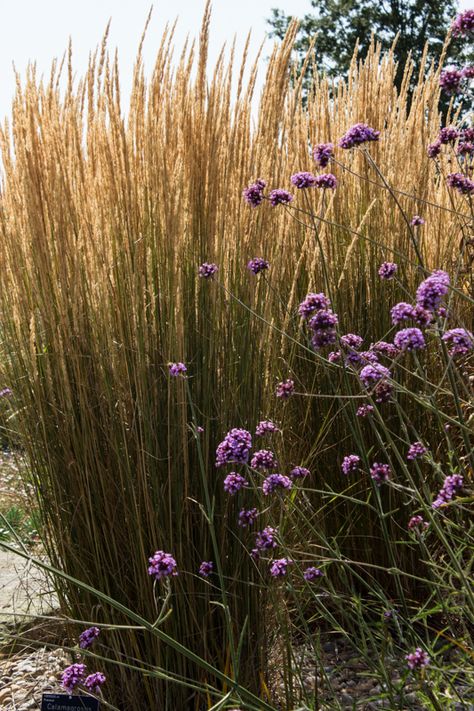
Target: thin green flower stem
(432,516)
(410,228)
(212,531)
(174,644)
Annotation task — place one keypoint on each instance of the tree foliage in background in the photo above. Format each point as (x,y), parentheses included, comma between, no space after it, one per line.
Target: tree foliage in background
(339,24)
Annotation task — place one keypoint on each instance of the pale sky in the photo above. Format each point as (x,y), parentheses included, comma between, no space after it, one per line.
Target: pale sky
(40,29)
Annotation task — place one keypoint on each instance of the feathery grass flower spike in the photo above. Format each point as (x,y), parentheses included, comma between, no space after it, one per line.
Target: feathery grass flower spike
(162,565)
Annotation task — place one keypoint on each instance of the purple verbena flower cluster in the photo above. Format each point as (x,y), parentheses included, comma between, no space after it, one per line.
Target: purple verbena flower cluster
(388,270)
(409,339)
(274,482)
(373,373)
(87,637)
(257,265)
(417,523)
(350,464)
(461,183)
(266,426)
(176,369)
(357,134)
(380,473)
(94,682)
(303,180)
(417,659)
(463,25)
(279,567)
(72,676)
(285,389)
(247,517)
(450,487)
(450,80)
(326,180)
(431,291)
(264,459)
(266,539)
(280,197)
(460,341)
(311,573)
(364,410)
(253,194)
(323,153)
(207,270)
(234,482)
(162,565)
(299,473)
(206,568)
(235,447)
(416,450)
(417,221)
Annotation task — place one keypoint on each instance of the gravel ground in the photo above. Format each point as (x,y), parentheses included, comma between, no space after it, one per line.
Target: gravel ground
(25,676)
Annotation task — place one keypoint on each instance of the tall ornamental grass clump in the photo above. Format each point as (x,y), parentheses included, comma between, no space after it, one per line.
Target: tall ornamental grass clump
(105,220)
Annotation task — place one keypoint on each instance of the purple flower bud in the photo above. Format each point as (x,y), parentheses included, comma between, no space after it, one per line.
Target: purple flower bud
(247,517)
(303,180)
(416,450)
(263,459)
(417,221)
(234,482)
(409,339)
(72,676)
(299,473)
(253,194)
(459,182)
(266,426)
(326,180)
(417,659)
(312,573)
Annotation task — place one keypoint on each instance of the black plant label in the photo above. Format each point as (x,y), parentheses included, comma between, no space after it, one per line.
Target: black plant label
(64,702)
